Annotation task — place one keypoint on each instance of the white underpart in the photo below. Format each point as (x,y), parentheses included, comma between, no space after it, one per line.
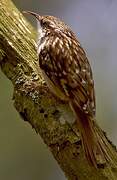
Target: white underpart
(41,34)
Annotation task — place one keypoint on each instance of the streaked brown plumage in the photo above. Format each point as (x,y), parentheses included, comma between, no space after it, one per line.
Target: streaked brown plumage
(68,74)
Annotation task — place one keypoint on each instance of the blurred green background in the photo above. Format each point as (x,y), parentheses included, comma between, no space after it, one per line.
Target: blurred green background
(23,155)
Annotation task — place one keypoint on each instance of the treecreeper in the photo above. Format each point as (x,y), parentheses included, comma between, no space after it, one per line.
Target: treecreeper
(67,72)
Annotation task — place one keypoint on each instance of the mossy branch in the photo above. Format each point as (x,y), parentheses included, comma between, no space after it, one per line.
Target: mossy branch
(35,103)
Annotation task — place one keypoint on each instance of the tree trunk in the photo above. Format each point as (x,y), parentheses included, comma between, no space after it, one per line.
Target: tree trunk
(34,102)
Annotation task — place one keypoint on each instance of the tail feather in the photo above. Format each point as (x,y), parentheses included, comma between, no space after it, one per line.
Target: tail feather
(108,149)
(97,148)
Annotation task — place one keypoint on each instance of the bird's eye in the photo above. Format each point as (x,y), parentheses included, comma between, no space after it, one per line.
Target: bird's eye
(45,23)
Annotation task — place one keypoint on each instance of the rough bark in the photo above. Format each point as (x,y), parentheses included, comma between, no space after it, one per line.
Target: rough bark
(36,104)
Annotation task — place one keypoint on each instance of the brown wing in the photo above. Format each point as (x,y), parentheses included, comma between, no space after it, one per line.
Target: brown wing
(66,65)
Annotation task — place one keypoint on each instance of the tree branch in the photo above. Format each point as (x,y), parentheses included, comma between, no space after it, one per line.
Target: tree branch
(36,104)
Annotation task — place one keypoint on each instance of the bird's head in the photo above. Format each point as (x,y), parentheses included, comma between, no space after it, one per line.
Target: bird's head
(49,22)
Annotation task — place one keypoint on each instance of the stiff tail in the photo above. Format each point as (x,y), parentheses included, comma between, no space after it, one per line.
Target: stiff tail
(98,149)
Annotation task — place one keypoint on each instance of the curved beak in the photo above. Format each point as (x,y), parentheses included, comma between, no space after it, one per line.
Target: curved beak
(33,13)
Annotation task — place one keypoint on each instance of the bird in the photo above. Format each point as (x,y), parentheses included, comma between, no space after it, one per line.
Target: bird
(68,74)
